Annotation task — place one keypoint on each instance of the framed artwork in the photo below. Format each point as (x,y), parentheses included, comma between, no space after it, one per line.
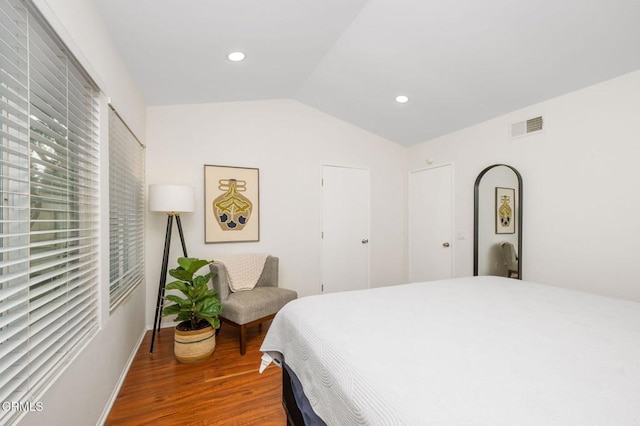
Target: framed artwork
(505,210)
(231,204)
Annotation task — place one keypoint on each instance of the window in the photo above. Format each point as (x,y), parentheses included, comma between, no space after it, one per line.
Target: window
(126,210)
(48,208)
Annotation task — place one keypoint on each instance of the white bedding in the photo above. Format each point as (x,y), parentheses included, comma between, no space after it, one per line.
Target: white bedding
(467,351)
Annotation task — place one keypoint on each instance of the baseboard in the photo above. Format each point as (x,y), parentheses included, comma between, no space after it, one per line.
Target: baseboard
(107,409)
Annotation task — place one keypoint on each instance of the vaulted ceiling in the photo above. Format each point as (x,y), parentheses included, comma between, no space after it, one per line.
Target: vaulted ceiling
(460,62)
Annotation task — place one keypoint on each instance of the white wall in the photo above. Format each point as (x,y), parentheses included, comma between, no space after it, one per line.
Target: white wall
(581,180)
(288,142)
(83,391)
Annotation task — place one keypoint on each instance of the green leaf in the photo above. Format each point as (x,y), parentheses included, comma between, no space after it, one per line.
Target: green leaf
(211,307)
(198,280)
(178,300)
(192,264)
(178,285)
(182,316)
(202,279)
(197,306)
(171,310)
(193,292)
(214,321)
(181,274)
(202,292)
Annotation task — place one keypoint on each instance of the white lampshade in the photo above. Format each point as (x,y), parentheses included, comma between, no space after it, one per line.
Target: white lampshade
(171,198)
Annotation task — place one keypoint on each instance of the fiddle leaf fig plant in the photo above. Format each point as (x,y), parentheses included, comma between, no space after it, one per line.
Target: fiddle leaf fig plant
(200,305)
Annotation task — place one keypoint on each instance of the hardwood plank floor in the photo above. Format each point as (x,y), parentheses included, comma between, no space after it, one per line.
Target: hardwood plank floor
(226,389)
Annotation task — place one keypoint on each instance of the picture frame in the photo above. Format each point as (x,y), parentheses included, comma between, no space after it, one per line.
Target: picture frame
(231,204)
(505,210)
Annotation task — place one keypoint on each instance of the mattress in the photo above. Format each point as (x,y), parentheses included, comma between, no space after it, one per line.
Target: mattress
(475,350)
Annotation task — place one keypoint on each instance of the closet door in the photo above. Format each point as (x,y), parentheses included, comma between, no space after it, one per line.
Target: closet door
(431,223)
(345,229)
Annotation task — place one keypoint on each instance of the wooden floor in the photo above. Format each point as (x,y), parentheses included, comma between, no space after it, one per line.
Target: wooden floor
(226,389)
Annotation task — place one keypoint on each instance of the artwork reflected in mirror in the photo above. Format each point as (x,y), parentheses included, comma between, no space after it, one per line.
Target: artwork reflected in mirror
(505,210)
(498,222)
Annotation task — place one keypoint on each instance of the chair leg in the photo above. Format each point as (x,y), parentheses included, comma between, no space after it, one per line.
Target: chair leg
(243,339)
(243,329)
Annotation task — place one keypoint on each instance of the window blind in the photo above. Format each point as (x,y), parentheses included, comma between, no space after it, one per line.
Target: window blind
(126,210)
(49,206)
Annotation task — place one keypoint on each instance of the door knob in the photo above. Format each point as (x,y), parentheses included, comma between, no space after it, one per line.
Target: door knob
(445,244)
(365,241)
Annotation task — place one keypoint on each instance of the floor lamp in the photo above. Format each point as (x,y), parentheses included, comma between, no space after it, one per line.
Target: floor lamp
(172,200)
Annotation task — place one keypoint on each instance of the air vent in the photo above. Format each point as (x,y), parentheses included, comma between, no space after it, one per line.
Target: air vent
(528,127)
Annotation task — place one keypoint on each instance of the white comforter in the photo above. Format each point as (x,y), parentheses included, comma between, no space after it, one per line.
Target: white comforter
(468,351)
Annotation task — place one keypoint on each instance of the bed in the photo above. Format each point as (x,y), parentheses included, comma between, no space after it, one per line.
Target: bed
(466,351)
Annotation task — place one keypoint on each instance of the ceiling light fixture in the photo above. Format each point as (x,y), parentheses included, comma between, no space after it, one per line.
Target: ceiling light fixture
(402,99)
(236,56)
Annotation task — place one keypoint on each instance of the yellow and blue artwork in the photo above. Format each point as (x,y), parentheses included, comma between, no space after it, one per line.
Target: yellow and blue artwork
(505,210)
(232,209)
(231,204)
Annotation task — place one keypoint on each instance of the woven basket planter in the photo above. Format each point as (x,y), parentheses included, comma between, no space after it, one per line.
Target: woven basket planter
(194,346)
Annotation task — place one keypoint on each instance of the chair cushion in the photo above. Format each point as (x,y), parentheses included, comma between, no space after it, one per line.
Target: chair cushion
(246,306)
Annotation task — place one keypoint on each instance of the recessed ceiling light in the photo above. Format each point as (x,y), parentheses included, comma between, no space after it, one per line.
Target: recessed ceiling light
(402,99)
(236,56)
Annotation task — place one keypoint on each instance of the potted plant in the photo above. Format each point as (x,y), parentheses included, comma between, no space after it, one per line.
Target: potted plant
(197,311)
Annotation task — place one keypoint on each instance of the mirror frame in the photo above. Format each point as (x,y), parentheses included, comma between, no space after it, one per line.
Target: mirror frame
(476,210)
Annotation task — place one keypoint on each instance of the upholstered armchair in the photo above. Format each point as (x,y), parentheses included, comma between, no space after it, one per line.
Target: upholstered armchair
(247,308)
(510,259)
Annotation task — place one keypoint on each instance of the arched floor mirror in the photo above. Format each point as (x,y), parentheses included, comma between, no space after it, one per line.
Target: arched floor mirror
(497,227)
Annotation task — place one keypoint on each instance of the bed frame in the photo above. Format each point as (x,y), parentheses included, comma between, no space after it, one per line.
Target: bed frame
(294,416)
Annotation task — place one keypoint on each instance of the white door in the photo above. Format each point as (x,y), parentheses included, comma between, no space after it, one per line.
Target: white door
(430,224)
(345,229)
